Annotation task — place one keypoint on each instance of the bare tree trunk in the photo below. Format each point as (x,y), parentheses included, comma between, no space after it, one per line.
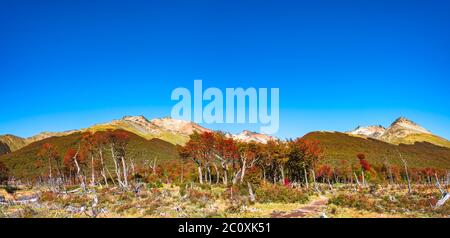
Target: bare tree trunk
(447,181)
(80,176)
(125,173)
(314,179)
(116,166)
(110,176)
(329,184)
(363,178)
(200,176)
(209,174)
(182,172)
(217,173)
(407,175)
(357,180)
(50,168)
(237,175)
(250,191)
(244,164)
(103,167)
(225,174)
(92,171)
(154,166)
(282,174)
(206,175)
(445,194)
(306,178)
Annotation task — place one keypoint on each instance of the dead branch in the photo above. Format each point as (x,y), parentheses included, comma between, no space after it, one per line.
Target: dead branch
(445,194)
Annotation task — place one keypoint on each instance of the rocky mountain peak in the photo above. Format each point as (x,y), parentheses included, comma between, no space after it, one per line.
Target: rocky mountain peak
(403,120)
(369,131)
(141,119)
(250,136)
(407,125)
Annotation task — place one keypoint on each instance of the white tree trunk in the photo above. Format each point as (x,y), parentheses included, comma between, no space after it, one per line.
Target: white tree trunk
(251,194)
(200,176)
(103,167)
(282,174)
(125,173)
(314,179)
(363,178)
(225,175)
(407,174)
(217,173)
(80,177)
(92,171)
(306,178)
(244,164)
(116,166)
(445,194)
(357,180)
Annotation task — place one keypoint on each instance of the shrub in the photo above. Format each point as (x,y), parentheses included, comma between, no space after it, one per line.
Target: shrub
(396,203)
(277,193)
(27,212)
(198,196)
(155,184)
(235,192)
(48,196)
(236,206)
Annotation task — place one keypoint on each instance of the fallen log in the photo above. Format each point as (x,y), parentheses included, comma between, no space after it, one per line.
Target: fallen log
(26,199)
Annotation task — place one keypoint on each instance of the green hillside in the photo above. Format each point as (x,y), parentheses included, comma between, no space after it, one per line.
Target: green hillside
(411,139)
(336,147)
(22,162)
(339,146)
(171,137)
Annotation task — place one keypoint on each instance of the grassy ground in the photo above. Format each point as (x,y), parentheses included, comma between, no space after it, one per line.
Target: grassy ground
(190,200)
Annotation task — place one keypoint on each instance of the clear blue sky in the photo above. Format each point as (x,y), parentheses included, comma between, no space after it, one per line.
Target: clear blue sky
(70,64)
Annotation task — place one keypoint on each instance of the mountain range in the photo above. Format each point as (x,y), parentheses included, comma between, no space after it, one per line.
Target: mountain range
(167,129)
(157,138)
(401,131)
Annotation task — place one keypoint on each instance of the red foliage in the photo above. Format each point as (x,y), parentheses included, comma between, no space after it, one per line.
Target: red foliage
(324,171)
(48,151)
(363,162)
(226,148)
(286,182)
(69,163)
(361,156)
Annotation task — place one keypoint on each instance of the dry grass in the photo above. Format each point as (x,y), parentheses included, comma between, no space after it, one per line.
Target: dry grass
(213,201)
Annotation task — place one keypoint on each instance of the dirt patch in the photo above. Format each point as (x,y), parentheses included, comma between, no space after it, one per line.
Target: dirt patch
(311,209)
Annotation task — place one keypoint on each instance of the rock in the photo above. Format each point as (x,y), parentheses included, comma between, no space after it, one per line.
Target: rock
(4,148)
